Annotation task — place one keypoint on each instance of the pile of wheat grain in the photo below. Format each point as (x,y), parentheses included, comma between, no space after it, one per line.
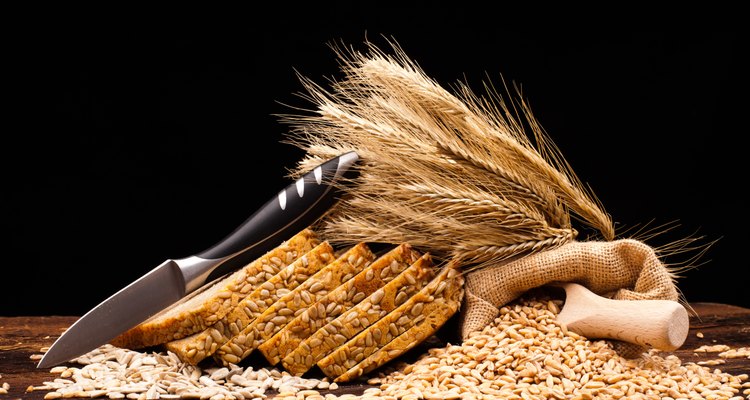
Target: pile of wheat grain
(526,354)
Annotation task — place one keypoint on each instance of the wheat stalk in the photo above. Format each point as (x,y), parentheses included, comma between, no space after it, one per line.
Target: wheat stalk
(454,174)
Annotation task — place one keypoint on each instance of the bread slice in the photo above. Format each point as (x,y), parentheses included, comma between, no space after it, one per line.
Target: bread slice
(381,271)
(443,310)
(448,284)
(294,303)
(214,301)
(194,348)
(359,317)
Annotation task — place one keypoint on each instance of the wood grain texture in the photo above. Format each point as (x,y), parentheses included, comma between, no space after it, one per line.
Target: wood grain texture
(20,337)
(661,324)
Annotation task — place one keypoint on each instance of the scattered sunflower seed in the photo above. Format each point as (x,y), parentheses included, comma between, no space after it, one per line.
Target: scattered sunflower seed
(118,373)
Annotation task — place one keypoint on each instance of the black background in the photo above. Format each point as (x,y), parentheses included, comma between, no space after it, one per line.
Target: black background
(125,149)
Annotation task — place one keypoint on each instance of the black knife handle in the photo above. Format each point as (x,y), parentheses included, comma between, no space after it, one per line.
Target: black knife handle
(294,208)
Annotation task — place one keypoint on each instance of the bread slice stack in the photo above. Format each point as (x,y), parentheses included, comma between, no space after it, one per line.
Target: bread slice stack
(318,315)
(195,348)
(213,302)
(286,309)
(303,305)
(411,322)
(359,317)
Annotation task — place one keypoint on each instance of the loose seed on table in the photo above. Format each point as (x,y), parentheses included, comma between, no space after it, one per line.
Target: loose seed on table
(542,360)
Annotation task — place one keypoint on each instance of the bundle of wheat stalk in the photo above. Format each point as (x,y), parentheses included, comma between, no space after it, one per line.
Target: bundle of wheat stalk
(470,179)
(454,174)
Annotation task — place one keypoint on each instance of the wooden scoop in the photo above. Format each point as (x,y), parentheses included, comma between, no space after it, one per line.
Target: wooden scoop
(661,324)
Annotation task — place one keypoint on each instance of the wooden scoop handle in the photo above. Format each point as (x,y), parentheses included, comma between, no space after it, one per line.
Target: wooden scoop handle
(661,324)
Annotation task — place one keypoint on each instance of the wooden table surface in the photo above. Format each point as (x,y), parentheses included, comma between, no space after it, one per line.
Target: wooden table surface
(20,337)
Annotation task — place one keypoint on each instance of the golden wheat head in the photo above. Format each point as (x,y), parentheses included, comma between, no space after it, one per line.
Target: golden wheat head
(454,174)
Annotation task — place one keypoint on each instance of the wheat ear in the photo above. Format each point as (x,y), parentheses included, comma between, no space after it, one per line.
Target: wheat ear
(454,174)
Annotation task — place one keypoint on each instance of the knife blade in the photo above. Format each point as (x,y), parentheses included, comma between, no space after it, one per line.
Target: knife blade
(294,208)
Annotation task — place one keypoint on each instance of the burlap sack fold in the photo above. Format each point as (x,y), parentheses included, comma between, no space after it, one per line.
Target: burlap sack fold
(623,269)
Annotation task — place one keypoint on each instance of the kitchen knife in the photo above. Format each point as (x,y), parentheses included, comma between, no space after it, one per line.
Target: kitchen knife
(293,209)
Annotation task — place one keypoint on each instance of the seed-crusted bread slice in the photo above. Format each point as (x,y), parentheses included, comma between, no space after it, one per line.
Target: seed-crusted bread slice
(197,312)
(444,309)
(194,348)
(294,303)
(359,317)
(448,284)
(381,271)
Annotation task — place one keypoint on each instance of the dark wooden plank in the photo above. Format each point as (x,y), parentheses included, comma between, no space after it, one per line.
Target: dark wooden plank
(719,324)
(20,337)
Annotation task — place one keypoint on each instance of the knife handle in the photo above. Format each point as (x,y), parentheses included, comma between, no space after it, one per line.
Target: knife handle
(294,208)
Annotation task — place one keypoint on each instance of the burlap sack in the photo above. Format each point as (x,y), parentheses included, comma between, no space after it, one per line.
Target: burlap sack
(623,269)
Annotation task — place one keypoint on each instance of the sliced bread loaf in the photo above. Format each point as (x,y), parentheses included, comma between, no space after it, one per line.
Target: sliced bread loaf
(214,301)
(447,284)
(294,303)
(381,271)
(359,317)
(418,333)
(198,346)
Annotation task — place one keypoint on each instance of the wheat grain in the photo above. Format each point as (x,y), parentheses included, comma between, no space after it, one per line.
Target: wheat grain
(741,352)
(526,354)
(712,348)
